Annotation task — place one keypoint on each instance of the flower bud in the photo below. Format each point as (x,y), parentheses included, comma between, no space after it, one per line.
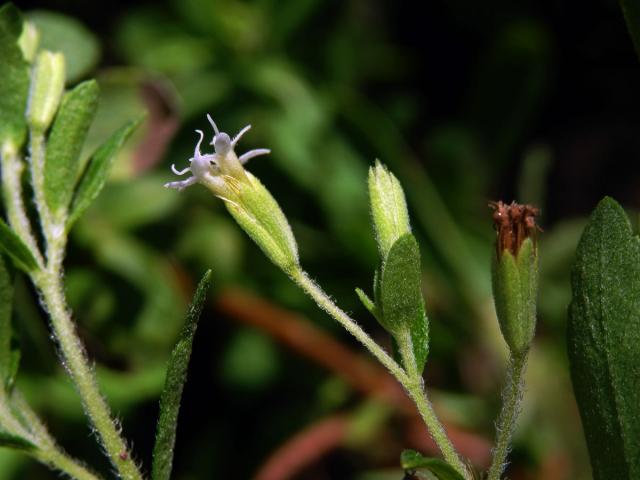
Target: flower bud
(28,41)
(260,216)
(47,86)
(515,274)
(388,208)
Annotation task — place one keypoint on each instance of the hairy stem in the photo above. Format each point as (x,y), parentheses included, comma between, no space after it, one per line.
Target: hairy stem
(326,304)
(59,461)
(412,381)
(511,399)
(12,167)
(418,394)
(49,283)
(31,428)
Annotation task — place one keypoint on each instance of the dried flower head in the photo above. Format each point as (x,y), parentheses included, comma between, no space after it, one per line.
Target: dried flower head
(514,223)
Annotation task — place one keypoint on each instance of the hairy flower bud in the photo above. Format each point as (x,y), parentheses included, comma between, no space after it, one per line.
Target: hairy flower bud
(47,86)
(388,208)
(515,273)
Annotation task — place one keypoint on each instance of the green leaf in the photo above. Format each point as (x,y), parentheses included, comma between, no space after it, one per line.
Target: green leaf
(174,384)
(65,143)
(14,78)
(401,299)
(11,244)
(95,175)
(631,11)
(604,341)
(367,302)
(59,33)
(8,440)
(411,460)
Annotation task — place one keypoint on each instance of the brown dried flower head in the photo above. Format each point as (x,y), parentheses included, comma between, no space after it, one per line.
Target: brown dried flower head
(514,223)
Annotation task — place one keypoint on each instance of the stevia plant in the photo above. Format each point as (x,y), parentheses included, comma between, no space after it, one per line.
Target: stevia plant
(42,134)
(397,302)
(42,131)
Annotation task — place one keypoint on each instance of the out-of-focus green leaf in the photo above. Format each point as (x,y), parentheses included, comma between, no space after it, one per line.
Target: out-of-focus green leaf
(174,385)
(411,460)
(14,78)
(9,440)
(152,202)
(401,298)
(631,10)
(11,244)
(96,172)
(250,361)
(604,341)
(65,143)
(60,33)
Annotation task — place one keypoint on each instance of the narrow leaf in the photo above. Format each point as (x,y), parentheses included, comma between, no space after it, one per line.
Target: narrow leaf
(9,440)
(174,384)
(65,143)
(411,460)
(401,297)
(11,244)
(604,341)
(631,11)
(95,175)
(367,302)
(14,78)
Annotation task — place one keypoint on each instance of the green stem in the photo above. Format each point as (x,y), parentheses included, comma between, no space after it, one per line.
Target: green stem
(57,460)
(31,428)
(511,399)
(12,167)
(418,394)
(325,303)
(412,381)
(49,282)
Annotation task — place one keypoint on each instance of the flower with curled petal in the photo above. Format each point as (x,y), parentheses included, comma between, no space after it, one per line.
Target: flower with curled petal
(248,201)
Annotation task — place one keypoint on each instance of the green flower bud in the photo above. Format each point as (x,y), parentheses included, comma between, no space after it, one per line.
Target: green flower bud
(260,216)
(47,86)
(248,201)
(28,41)
(515,274)
(388,208)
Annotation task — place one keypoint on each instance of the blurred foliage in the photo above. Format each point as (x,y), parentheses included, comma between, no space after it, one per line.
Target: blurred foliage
(464,102)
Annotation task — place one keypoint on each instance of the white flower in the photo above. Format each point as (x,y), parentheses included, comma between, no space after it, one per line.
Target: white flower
(215,170)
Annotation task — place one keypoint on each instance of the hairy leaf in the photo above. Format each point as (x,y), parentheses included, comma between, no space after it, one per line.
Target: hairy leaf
(401,299)
(174,384)
(65,143)
(411,460)
(604,341)
(95,175)
(11,244)
(14,78)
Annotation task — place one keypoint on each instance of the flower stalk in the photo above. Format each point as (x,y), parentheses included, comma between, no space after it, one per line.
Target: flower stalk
(515,289)
(260,216)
